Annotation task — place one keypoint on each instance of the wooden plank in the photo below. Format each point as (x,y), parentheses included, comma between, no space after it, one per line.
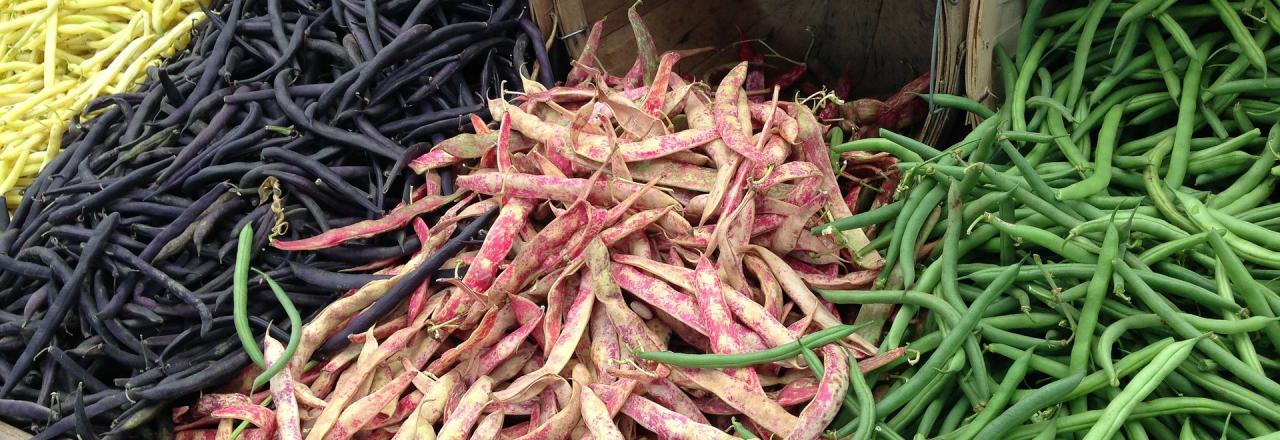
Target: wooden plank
(619,10)
(991,23)
(572,18)
(543,14)
(702,23)
(8,432)
(951,53)
(884,42)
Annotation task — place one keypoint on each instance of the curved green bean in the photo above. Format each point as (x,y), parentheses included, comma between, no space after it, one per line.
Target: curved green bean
(240,297)
(734,360)
(295,331)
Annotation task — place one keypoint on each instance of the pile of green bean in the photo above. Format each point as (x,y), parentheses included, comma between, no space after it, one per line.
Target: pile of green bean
(1099,257)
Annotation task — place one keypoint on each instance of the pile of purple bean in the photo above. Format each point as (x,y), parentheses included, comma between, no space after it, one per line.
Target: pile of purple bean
(116,268)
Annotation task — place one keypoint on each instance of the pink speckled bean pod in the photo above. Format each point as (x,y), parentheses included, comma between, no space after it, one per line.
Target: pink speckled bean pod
(464,417)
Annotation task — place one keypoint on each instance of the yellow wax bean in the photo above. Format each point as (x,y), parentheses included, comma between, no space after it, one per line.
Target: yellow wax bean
(15,169)
(57,56)
(26,106)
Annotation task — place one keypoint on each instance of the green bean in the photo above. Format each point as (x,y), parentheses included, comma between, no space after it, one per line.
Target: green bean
(1101,177)
(1175,286)
(1128,46)
(1008,70)
(1248,231)
(1146,101)
(1102,355)
(1039,363)
(878,145)
(1252,178)
(909,143)
(1238,160)
(927,420)
(836,137)
(1253,294)
(1012,378)
(1127,365)
(1026,72)
(950,256)
(1186,276)
(1165,250)
(1150,225)
(1075,78)
(880,242)
(1118,98)
(1236,394)
(1062,139)
(1241,119)
(1255,426)
(742,430)
(1133,70)
(947,269)
(1258,215)
(1260,110)
(1241,34)
(1219,354)
(1230,145)
(1076,15)
(1033,137)
(1019,341)
(883,431)
(912,409)
(1008,183)
(1237,67)
(295,331)
(1158,191)
(1153,113)
(1251,199)
(1243,344)
(866,401)
(959,102)
(1159,428)
(951,343)
(240,297)
(861,220)
(1164,60)
(913,200)
(1021,410)
(1038,186)
(812,361)
(1049,433)
(1028,30)
(1215,123)
(1249,85)
(1180,38)
(1049,103)
(1149,409)
(1070,249)
(735,360)
(1137,11)
(933,303)
(955,415)
(1146,144)
(1139,388)
(1117,202)
(1022,320)
(911,231)
(1096,292)
(1181,149)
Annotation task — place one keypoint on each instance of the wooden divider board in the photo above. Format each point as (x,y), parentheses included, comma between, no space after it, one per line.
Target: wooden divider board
(885,43)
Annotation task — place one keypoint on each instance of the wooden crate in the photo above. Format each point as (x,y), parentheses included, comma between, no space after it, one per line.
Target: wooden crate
(884,43)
